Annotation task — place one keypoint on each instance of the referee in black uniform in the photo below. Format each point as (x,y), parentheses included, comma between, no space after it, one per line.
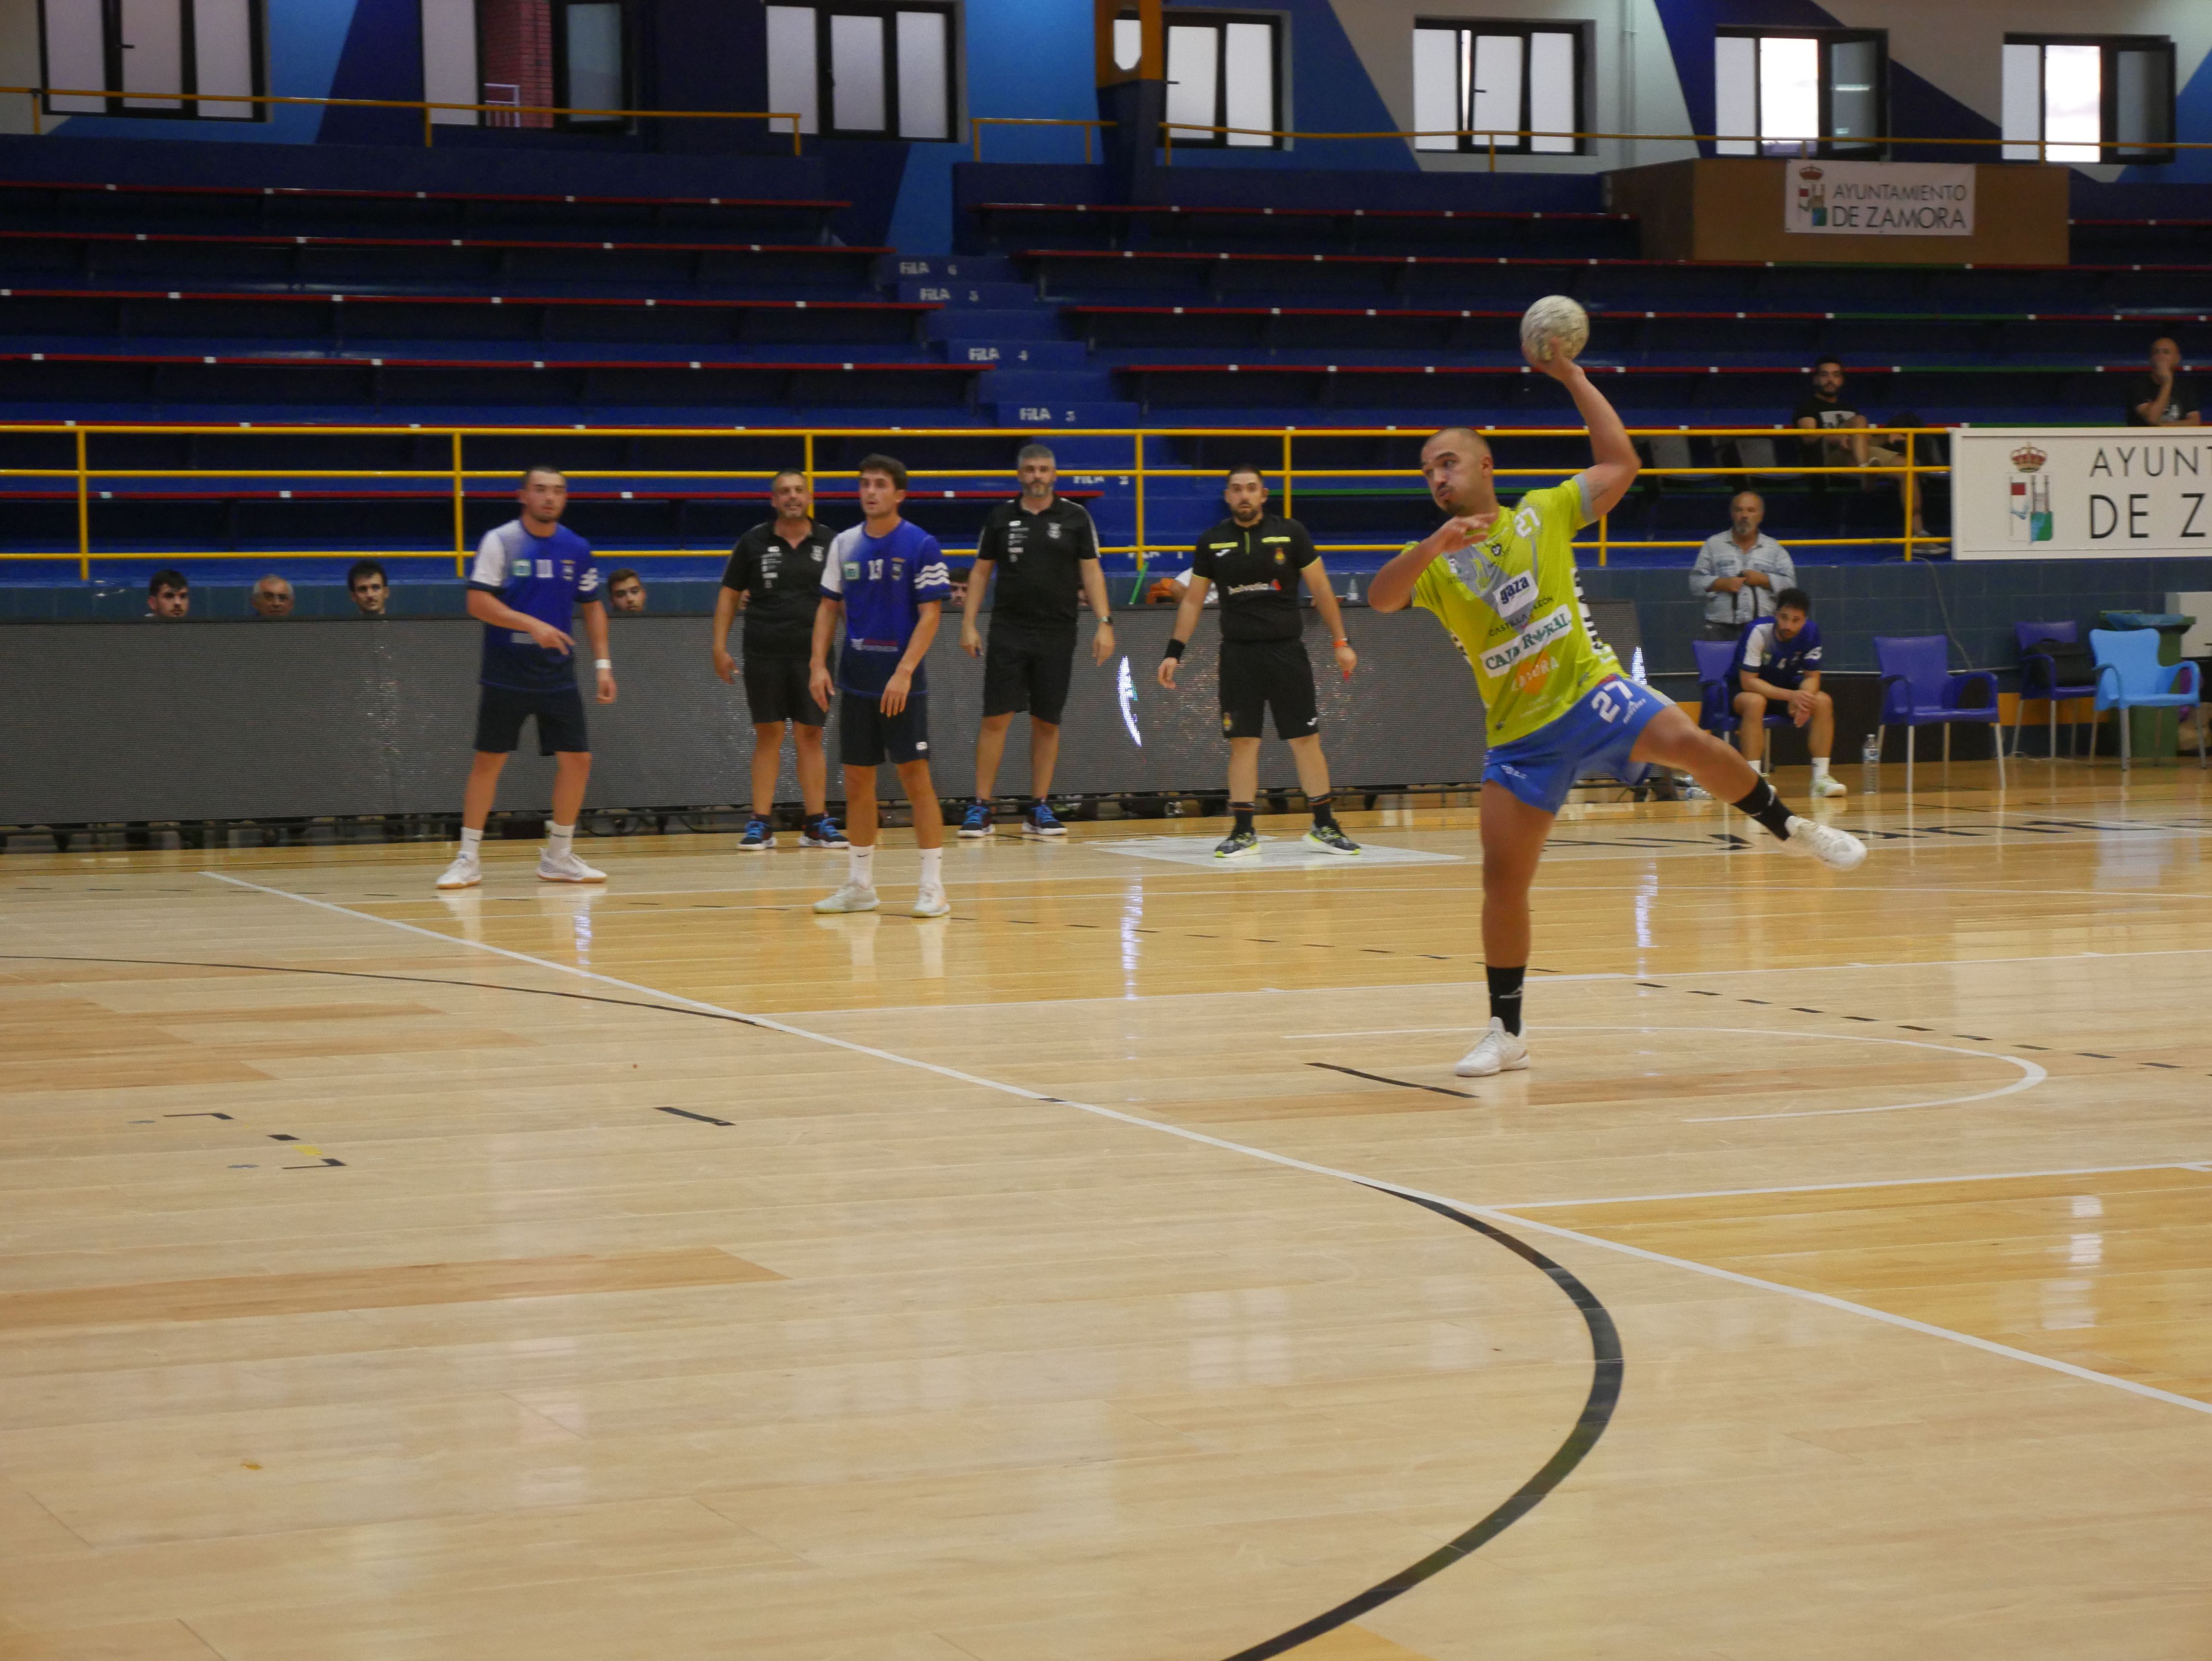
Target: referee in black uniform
(774,574)
(1045,550)
(1257,558)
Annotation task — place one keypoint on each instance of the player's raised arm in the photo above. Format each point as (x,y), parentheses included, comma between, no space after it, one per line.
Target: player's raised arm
(1614,466)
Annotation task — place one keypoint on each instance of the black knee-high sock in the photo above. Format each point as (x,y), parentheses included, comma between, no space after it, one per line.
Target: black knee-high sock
(1505,994)
(1763,804)
(1324,810)
(1244,812)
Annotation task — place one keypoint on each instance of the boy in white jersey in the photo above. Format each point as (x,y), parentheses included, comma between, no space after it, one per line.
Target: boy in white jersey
(1556,703)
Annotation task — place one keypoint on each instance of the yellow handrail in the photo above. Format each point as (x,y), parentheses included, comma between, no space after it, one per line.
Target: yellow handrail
(1139,472)
(977,123)
(40,96)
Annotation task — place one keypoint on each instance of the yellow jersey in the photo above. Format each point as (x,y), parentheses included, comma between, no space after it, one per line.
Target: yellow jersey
(1515,605)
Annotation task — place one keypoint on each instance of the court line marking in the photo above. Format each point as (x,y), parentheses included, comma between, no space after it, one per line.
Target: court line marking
(2049,1364)
(1881,1182)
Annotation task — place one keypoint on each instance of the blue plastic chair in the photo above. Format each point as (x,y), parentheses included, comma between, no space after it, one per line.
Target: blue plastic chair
(1716,706)
(2130,677)
(1918,689)
(2038,678)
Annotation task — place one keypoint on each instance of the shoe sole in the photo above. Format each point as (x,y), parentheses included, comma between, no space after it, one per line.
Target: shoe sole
(966,835)
(455,887)
(810,842)
(1241,854)
(581,882)
(755,847)
(845,911)
(919,912)
(1462,1071)
(1340,853)
(1057,831)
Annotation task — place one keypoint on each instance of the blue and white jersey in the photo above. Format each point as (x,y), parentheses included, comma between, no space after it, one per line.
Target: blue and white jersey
(884,581)
(1779,662)
(543,577)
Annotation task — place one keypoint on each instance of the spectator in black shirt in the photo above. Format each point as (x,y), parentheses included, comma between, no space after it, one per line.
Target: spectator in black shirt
(1259,558)
(2162,398)
(1830,409)
(774,575)
(1045,549)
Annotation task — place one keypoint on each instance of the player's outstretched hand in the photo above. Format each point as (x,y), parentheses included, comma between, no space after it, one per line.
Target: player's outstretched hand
(819,684)
(1559,365)
(552,638)
(606,686)
(726,665)
(894,692)
(1101,645)
(1167,673)
(1346,659)
(971,641)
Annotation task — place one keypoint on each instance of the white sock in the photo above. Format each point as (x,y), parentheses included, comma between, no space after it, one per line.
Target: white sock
(558,838)
(1819,767)
(471,842)
(860,865)
(932,869)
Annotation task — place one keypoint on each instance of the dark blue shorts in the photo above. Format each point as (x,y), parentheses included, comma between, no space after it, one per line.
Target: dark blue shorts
(1592,739)
(501,711)
(866,737)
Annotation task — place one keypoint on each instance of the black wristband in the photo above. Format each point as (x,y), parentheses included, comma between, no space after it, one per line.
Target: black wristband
(1175,648)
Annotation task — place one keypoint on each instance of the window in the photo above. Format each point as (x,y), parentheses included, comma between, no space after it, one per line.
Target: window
(149,51)
(1224,69)
(1488,83)
(864,70)
(2089,98)
(1809,91)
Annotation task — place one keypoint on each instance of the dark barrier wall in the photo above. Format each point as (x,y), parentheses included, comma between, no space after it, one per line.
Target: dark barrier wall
(186,720)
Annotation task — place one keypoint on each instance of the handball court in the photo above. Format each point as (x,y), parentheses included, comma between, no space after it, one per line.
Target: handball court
(1115,1270)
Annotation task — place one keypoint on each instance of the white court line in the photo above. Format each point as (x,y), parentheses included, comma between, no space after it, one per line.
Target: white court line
(2047,1363)
(1827,1188)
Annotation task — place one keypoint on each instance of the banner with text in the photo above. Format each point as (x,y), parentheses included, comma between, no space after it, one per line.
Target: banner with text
(2045,493)
(1878,198)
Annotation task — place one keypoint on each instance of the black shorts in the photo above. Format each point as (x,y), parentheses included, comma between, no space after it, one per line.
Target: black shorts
(866,737)
(1027,671)
(776,690)
(1259,675)
(501,711)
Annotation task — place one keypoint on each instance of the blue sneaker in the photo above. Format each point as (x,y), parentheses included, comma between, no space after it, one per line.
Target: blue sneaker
(978,821)
(758,838)
(1041,821)
(823,833)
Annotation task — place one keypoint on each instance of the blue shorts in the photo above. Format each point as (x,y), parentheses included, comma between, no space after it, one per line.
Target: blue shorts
(1594,738)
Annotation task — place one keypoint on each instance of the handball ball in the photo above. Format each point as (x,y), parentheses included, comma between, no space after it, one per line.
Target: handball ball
(1554,324)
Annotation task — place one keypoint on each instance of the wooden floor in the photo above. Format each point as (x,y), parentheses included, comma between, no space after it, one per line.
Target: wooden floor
(669,1273)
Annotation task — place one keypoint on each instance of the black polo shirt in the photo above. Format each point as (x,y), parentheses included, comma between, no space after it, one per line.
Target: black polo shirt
(2180,402)
(1039,561)
(1256,570)
(782,583)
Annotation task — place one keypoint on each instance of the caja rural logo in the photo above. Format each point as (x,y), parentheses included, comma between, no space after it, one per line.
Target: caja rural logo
(2028,490)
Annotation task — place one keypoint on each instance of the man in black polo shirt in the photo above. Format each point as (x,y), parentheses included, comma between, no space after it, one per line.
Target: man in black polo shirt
(1258,558)
(1045,549)
(775,574)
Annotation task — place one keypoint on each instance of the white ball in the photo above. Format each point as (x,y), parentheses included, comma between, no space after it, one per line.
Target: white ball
(1554,322)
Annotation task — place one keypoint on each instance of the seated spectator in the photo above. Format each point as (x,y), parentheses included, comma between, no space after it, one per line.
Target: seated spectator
(1830,409)
(370,588)
(272,597)
(626,589)
(168,595)
(2163,399)
(1779,662)
(1741,571)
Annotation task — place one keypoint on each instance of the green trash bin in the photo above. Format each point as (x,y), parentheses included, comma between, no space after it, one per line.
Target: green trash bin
(2155,733)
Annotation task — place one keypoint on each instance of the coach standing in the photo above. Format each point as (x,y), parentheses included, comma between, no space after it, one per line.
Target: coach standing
(1257,559)
(1045,550)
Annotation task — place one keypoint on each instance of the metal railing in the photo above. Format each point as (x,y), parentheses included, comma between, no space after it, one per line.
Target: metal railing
(429,107)
(977,123)
(456,475)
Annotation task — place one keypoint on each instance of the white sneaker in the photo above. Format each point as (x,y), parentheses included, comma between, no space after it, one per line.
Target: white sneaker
(566,868)
(1839,850)
(463,872)
(851,898)
(1829,785)
(1500,1051)
(932,903)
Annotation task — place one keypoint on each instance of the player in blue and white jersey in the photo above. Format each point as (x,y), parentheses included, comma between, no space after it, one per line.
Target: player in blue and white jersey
(1778,660)
(885,580)
(531,577)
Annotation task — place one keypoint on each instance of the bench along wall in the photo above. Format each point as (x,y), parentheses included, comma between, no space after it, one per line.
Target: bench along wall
(147,721)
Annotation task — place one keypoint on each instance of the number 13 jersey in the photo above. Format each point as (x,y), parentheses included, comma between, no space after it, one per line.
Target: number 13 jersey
(1515,605)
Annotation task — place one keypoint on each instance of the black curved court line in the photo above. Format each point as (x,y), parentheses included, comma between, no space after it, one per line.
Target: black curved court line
(1402,1084)
(1607,1365)
(1607,1362)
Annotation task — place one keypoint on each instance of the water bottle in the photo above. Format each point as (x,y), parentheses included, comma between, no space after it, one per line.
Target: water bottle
(1870,763)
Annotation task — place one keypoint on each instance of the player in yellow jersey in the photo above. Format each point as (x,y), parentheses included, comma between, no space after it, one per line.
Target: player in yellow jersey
(1557,705)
